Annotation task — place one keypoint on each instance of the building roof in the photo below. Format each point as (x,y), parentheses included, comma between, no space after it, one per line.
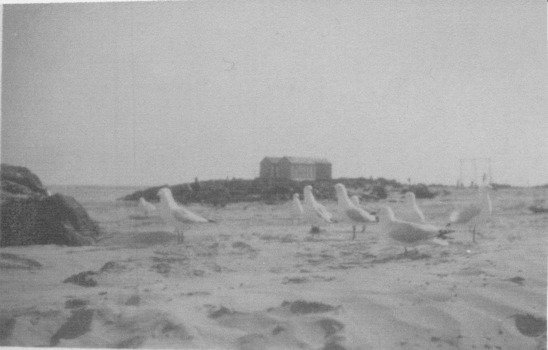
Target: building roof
(298,160)
(307,160)
(272,159)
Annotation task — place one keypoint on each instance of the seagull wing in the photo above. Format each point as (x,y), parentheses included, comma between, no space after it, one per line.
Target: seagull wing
(410,233)
(359,215)
(149,206)
(465,214)
(297,206)
(322,212)
(186,216)
(420,213)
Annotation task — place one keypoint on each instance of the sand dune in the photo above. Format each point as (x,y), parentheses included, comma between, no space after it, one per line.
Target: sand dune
(256,280)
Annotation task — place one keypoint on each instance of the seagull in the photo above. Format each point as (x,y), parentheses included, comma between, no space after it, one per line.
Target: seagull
(314,213)
(356,201)
(474,213)
(297,207)
(176,215)
(411,234)
(350,212)
(416,215)
(147,208)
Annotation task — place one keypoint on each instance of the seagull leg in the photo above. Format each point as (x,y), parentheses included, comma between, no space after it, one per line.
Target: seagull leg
(179,236)
(474,235)
(354,232)
(363,228)
(405,251)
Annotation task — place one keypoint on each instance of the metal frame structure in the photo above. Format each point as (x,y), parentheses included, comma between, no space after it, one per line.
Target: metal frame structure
(474,163)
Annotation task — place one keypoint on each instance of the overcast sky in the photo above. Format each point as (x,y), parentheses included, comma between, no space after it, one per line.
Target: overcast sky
(148,93)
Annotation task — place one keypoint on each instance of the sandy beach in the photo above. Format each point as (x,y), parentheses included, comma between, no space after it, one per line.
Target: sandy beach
(256,279)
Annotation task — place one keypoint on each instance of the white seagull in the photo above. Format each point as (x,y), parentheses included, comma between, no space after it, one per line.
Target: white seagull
(147,208)
(473,214)
(176,215)
(410,234)
(356,201)
(415,213)
(314,213)
(297,207)
(350,212)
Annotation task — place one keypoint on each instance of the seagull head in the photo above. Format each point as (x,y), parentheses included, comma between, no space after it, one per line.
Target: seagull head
(410,196)
(165,195)
(341,190)
(386,214)
(296,196)
(356,200)
(307,191)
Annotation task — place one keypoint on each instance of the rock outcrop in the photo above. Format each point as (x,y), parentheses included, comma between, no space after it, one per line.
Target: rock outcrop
(29,216)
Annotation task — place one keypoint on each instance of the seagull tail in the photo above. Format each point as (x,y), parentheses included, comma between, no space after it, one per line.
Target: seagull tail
(212,221)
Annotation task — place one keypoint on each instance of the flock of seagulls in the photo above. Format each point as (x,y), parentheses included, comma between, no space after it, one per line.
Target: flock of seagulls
(410,229)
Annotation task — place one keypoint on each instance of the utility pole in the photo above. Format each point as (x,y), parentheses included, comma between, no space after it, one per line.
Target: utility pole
(474,163)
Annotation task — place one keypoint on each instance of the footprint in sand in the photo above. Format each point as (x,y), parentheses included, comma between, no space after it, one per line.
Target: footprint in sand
(293,324)
(530,325)
(78,324)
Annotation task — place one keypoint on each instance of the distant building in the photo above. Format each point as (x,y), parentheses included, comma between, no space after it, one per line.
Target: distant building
(294,168)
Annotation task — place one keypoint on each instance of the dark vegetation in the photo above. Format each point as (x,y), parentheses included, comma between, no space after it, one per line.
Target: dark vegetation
(420,191)
(222,192)
(538,209)
(496,186)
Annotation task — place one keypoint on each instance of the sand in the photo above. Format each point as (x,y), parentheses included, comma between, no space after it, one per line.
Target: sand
(256,279)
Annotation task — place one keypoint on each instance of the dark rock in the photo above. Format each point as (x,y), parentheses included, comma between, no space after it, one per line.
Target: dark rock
(517,280)
(13,261)
(66,217)
(537,209)
(305,307)
(20,222)
(131,343)
(78,324)
(57,219)
(333,346)
(75,303)
(150,194)
(13,189)
(134,300)
(6,328)
(330,326)
(20,180)
(83,279)
(112,266)
(222,311)
(530,325)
